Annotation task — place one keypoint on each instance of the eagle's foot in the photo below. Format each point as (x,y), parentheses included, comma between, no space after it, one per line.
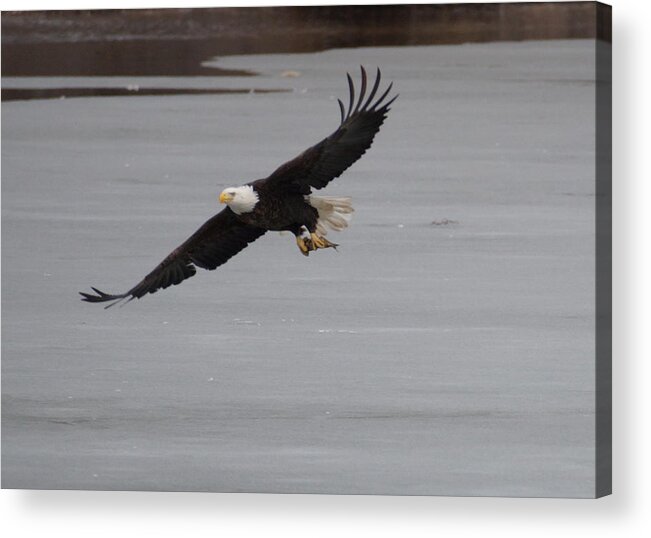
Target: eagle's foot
(321,242)
(304,241)
(304,245)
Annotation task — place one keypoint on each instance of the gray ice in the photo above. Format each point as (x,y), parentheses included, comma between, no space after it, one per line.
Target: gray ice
(447,348)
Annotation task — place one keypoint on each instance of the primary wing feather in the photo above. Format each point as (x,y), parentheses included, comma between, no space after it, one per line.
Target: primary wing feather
(212,245)
(323,162)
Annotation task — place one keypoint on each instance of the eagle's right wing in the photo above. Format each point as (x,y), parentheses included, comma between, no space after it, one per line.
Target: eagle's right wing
(212,245)
(323,162)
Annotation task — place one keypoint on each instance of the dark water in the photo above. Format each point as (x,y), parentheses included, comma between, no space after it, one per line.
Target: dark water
(175,42)
(22,94)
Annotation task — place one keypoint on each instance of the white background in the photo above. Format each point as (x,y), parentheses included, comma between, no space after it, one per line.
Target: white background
(625,513)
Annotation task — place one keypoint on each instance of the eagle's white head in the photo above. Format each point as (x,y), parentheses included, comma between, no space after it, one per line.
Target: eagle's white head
(240,199)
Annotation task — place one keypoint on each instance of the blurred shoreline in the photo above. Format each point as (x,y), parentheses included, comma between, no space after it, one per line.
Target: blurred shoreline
(176,42)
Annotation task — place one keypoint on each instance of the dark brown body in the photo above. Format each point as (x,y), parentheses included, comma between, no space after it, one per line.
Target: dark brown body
(280,211)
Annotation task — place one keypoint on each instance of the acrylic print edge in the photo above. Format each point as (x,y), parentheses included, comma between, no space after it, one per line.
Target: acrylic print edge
(603,250)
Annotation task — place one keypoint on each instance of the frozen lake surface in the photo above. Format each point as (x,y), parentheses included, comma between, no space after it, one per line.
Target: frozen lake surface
(447,348)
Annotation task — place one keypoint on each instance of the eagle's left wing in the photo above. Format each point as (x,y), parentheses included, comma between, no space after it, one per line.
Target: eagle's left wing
(212,245)
(323,162)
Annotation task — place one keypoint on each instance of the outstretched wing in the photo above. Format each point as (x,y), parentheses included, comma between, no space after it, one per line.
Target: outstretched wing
(212,245)
(320,164)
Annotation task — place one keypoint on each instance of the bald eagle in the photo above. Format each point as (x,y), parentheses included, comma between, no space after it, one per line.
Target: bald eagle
(282,201)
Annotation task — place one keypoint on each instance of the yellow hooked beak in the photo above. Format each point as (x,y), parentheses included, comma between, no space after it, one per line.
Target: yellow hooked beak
(224,197)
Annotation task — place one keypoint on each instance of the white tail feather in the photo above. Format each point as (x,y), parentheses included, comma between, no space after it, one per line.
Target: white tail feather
(334,213)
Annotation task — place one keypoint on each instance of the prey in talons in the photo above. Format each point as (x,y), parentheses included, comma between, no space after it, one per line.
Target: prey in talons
(310,241)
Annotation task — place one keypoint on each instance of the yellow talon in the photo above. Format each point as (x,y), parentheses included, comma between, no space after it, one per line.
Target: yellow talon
(305,250)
